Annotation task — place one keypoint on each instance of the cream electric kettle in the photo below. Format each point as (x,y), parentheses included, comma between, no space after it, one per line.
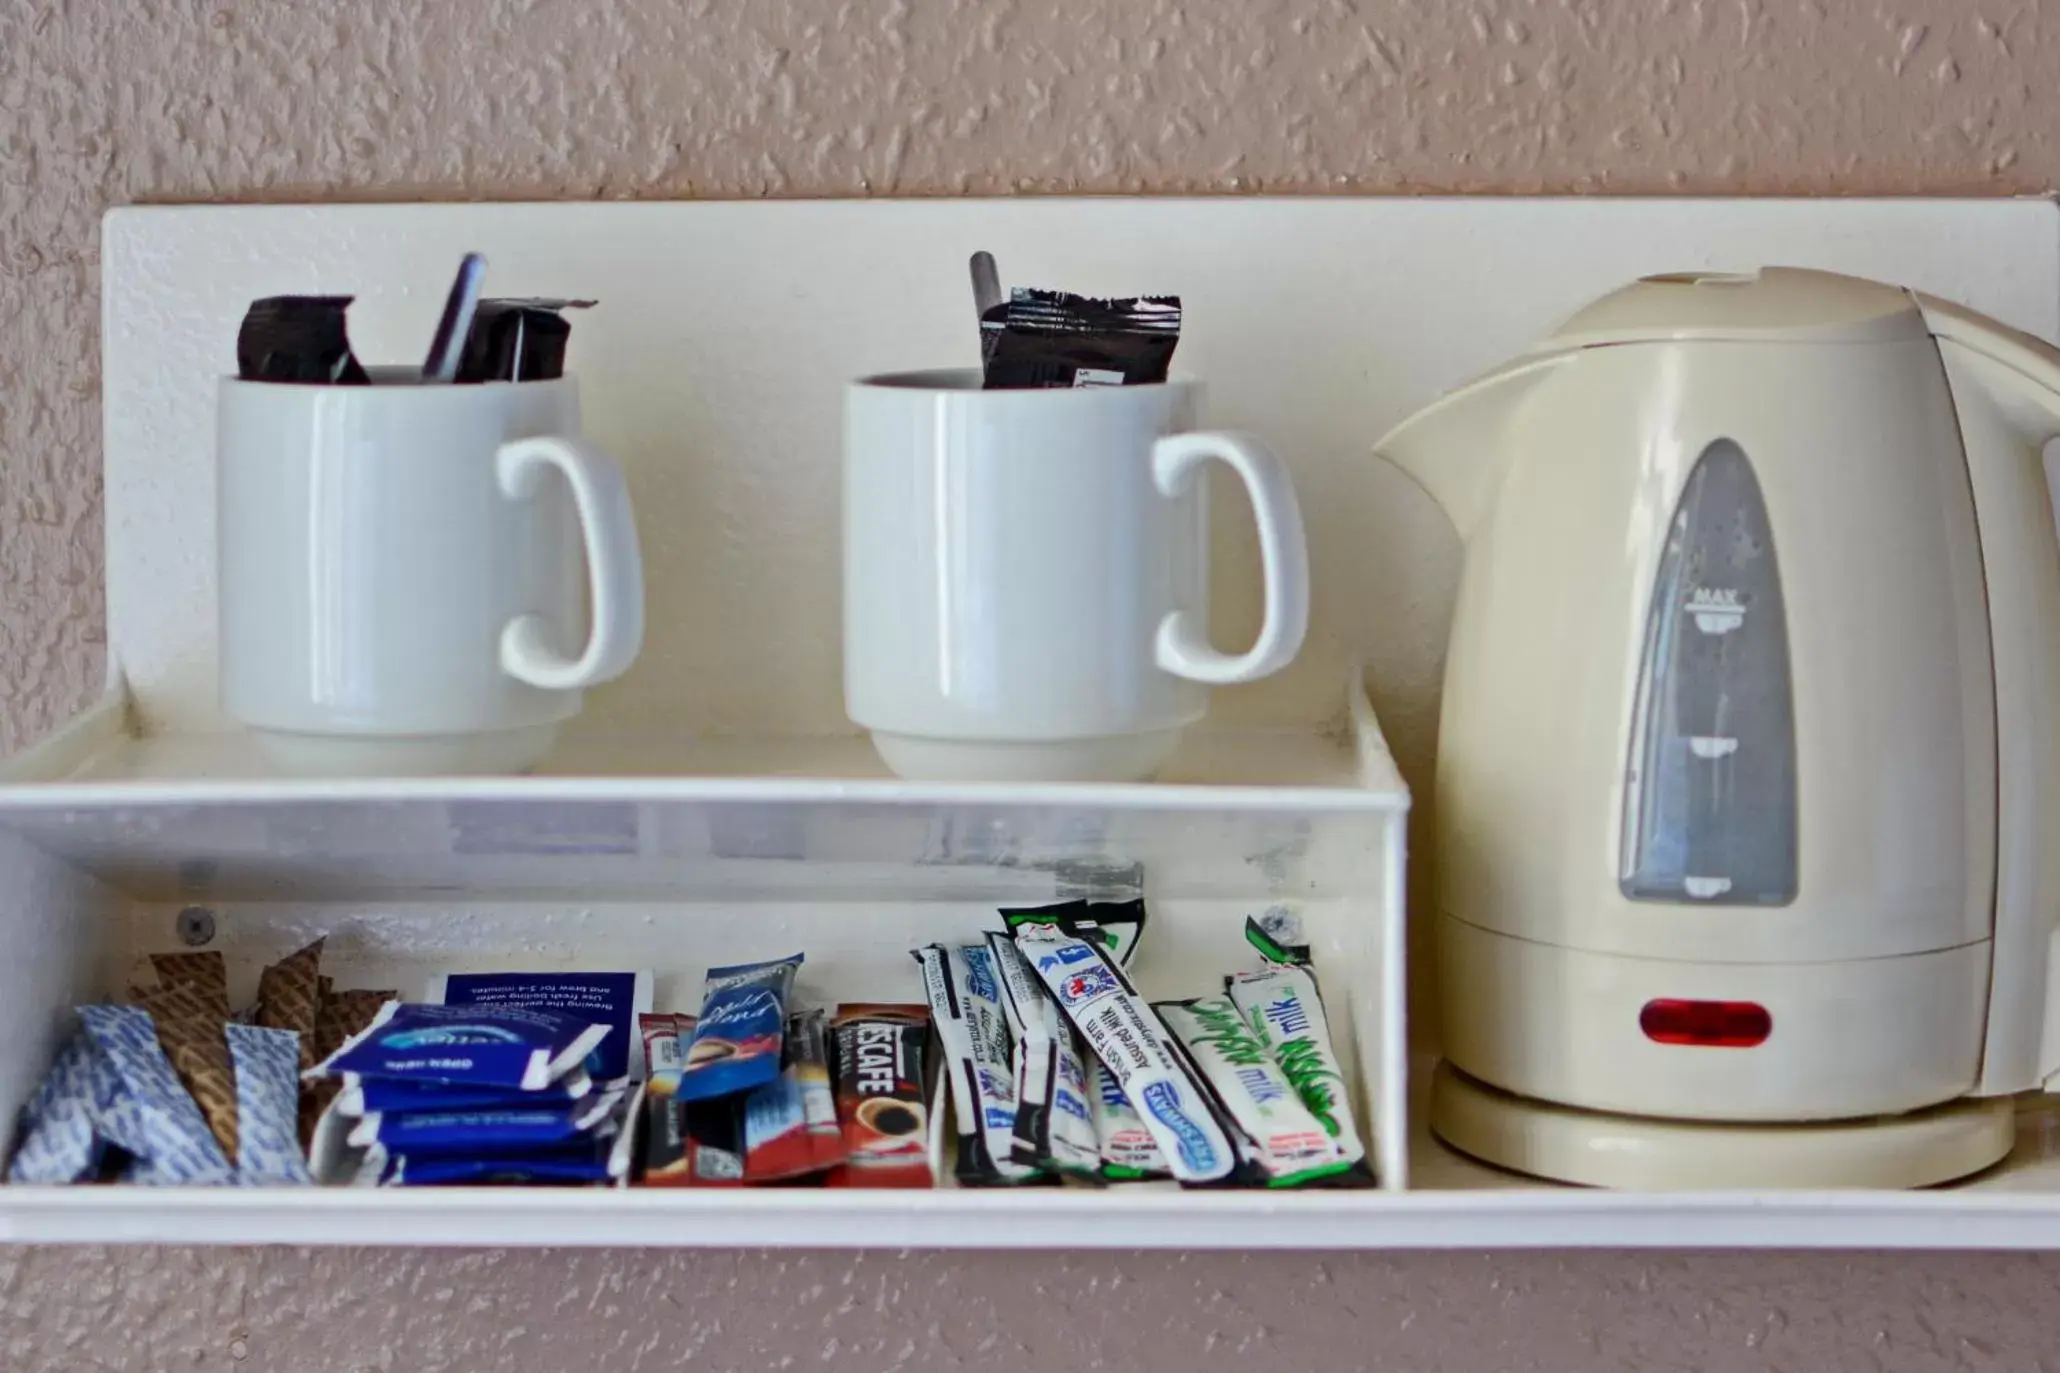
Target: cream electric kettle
(1747,816)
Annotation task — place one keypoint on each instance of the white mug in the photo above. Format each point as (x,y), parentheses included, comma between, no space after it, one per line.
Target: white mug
(404,572)
(1026,575)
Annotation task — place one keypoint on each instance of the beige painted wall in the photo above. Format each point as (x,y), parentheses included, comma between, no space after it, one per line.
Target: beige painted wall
(106,102)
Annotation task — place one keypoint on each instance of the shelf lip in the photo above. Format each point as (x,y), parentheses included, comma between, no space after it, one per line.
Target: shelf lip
(1365,780)
(951,1219)
(1143,796)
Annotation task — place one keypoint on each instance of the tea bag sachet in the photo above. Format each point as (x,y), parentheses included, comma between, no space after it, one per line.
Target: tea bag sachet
(298,339)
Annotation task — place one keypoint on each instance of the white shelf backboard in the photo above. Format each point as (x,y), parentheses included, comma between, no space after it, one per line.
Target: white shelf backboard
(714,363)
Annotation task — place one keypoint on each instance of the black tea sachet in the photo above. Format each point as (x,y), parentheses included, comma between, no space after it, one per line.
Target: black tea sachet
(1055,338)
(298,339)
(517,340)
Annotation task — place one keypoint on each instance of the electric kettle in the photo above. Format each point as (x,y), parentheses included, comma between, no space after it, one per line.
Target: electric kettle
(1747,817)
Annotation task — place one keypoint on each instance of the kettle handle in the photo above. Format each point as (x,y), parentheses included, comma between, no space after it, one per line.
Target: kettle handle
(2006,389)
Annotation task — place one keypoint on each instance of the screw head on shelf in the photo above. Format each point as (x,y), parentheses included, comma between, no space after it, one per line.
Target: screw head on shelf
(196,926)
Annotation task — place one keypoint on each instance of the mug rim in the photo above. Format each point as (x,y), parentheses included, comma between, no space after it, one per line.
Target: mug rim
(960,381)
(390,388)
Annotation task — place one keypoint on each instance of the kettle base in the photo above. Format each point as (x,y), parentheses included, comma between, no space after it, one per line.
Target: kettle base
(1597,1149)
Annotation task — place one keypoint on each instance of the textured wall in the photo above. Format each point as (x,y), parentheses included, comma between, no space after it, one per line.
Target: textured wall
(637,1312)
(112,101)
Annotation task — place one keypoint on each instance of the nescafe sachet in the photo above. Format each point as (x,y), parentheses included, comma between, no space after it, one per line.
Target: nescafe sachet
(881,1053)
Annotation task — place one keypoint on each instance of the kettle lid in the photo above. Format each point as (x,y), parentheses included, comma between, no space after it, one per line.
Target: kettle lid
(1774,304)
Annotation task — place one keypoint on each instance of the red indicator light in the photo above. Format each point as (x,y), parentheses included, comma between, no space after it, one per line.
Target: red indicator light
(1706,1024)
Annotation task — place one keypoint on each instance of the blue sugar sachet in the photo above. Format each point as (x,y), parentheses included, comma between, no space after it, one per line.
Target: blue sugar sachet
(267,1065)
(364,1096)
(504,1130)
(516,1047)
(60,1126)
(152,1117)
(741,1031)
(611,999)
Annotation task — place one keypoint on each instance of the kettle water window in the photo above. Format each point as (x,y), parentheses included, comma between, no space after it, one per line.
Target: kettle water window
(1709,797)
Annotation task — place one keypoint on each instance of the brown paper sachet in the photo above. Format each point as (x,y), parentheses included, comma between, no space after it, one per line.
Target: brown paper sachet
(341,1015)
(289,996)
(344,1014)
(204,972)
(189,1029)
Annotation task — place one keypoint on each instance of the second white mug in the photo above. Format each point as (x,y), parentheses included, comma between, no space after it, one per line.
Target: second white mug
(1026,586)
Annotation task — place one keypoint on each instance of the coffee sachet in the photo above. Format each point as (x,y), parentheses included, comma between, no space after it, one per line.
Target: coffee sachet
(666,1037)
(790,1123)
(518,340)
(341,1015)
(204,973)
(152,1118)
(742,1028)
(191,1031)
(1055,338)
(693,1143)
(883,1090)
(344,1015)
(298,339)
(289,997)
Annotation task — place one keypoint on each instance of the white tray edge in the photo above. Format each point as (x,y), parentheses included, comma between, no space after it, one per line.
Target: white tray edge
(36,778)
(949,1219)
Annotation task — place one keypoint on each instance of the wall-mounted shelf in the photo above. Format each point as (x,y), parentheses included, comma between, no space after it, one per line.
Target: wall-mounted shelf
(715,805)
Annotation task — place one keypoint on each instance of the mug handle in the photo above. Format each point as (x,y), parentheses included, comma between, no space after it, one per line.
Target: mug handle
(613,561)
(1183,644)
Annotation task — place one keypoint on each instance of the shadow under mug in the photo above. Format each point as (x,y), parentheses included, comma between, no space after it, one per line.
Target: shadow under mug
(1026,583)
(404,572)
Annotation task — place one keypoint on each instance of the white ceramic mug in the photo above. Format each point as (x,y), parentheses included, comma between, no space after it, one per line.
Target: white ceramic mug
(404,572)
(1026,575)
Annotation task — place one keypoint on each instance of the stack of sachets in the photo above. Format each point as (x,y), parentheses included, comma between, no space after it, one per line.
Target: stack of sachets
(305,340)
(520,1078)
(1024,1101)
(175,1088)
(1060,1070)
(750,1100)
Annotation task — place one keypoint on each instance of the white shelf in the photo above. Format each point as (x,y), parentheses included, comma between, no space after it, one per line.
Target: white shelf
(611,860)
(714,804)
(617,816)
(118,764)
(1040,1220)
(1458,1207)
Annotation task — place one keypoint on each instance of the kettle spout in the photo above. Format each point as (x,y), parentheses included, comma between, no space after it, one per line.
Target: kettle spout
(1456,448)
